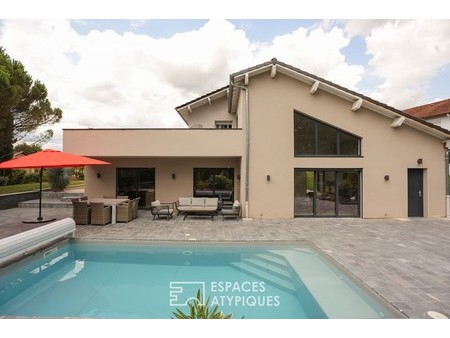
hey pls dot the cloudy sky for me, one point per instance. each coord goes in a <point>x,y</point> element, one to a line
<point>132,73</point>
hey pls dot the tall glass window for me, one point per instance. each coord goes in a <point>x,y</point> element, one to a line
<point>327,192</point>
<point>315,138</point>
<point>214,182</point>
<point>304,193</point>
<point>134,182</point>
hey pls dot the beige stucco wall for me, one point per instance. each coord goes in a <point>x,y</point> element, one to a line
<point>385,151</point>
<point>153,142</point>
<point>167,189</point>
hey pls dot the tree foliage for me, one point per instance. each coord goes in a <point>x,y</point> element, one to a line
<point>27,148</point>
<point>23,106</point>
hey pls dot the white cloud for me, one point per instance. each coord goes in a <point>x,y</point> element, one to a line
<point>407,55</point>
<point>317,51</point>
<point>362,27</point>
<point>106,79</point>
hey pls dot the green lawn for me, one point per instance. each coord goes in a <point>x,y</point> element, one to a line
<point>9,189</point>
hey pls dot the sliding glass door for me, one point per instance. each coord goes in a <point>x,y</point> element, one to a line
<point>327,192</point>
<point>134,182</point>
<point>214,182</point>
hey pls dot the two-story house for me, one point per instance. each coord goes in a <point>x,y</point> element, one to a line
<point>283,142</point>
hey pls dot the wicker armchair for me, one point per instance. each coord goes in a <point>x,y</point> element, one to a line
<point>125,211</point>
<point>100,214</point>
<point>81,212</point>
<point>136,207</point>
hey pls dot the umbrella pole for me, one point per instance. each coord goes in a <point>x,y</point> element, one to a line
<point>40,194</point>
<point>40,219</point>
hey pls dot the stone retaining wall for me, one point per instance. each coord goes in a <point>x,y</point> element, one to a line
<point>10,201</point>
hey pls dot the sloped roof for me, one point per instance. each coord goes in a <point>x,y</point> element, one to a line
<point>238,78</point>
<point>430,110</point>
<point>184,109</point>
<point>201,97</point>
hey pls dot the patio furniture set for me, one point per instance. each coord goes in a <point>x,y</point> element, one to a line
<point>194,206</point>
<point>102,211</point>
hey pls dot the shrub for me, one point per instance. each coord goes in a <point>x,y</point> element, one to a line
<point>4,180</point>
<point>17,177</point>
<point>57,178</point>
<point>32,177</point>
<point>79,173</point>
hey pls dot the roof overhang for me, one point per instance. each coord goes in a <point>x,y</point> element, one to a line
<point>185,109</point>
<point>358,101</point>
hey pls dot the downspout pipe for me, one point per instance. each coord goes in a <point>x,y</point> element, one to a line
<point>247,144</point>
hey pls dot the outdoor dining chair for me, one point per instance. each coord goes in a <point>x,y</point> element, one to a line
<point>100,213</point>
<point>125,211</point>
<point>136,207</point>
<point>81,212</point>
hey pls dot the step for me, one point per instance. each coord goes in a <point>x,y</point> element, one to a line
<point>46,204</point>
<point>61,194</point>
<point>53,199</point>
<point>283,283</point>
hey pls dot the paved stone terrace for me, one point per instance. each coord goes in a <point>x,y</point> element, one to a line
<point>406,261</point>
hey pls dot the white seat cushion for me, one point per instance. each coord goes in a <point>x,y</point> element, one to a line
<point>184,201</point>
<point>198,201</point>
<point>156,203</point>
<point>211,202</point>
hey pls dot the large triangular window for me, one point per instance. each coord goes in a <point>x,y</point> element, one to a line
<point>315,138</point>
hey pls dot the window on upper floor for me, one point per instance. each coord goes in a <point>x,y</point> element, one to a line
<point>315,138</point>
<point>224,124</point>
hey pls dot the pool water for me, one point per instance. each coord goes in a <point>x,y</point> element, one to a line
<point>85,280</point>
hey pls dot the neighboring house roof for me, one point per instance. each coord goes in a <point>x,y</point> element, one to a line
<point>18,154</point>
<point>431,110</point>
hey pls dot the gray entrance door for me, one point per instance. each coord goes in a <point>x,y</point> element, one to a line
<point>415,193</point>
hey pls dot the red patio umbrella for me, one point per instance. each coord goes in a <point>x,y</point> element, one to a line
<point>48,158</point>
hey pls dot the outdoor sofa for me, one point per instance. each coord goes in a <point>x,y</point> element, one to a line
<point>197,206</point>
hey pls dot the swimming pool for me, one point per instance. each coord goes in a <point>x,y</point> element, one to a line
<point>96,280</point>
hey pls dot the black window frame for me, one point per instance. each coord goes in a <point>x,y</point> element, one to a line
<point>316,123</point>
<point>336,172</point>
<point>214,171</point>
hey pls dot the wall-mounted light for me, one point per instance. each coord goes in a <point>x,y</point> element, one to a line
<point>268,178</point>
<point>419,161</point>
<point>99,175</point>
<point>386,178</point>
<point>174,176</point>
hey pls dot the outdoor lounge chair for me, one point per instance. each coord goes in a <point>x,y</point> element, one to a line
<point>162,210</point>
<point>81,212</point>
<point>233,212</point>
<point>125,211</point>
<point>100,213</point>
